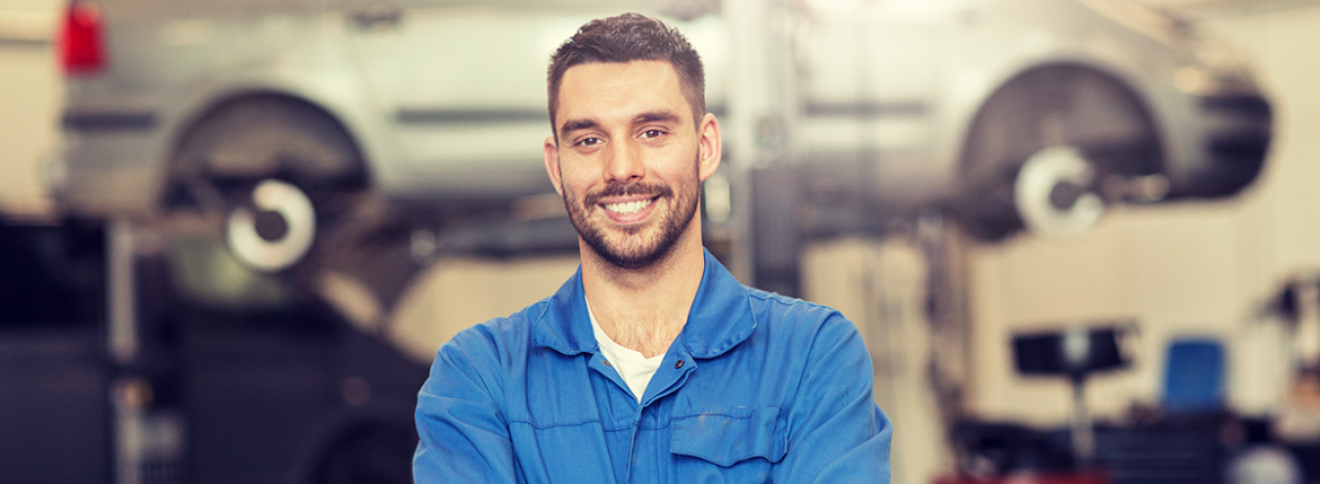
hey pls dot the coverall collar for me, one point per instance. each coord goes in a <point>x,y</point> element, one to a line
<point>720,317</point>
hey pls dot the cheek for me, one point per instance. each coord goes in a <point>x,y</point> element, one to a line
<point>573,177</point>
<point>581,185</point>
<point>678,164</point>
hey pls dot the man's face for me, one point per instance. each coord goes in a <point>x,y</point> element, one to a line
<point>628,160</point>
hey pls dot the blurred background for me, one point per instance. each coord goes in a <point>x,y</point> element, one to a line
<point>1078,236</point>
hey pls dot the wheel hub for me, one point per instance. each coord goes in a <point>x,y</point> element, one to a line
<point>271,226</point>
<point>1065,194</point>
<point>1053,192</point>
<point>279,233</point>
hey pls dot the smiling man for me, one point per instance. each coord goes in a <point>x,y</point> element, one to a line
<point>652,364</point>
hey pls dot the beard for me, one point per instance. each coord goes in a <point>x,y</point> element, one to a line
<point>636,246</point>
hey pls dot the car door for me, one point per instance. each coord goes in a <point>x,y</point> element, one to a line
<point>461,84</point>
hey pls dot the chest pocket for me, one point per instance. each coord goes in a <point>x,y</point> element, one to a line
<point>727,436</point>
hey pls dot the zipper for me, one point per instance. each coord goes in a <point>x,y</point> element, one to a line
<point>632,443</point>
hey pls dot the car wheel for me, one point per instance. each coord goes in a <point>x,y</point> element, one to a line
<point>1042,147</point>
<point>279,173</point>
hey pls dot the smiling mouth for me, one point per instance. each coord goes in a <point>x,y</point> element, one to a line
<point>629,207</point>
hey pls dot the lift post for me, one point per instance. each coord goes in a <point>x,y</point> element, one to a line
<point>148,439</point>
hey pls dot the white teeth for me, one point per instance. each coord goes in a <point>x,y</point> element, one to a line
<point>628,207</point>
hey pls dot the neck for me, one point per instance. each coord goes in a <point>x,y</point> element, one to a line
<point>644,309</point>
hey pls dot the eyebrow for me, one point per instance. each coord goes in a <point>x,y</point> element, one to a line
<point>577,125</point>
<point>655,116</point>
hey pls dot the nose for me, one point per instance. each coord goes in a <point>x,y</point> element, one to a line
<point>624,165</point>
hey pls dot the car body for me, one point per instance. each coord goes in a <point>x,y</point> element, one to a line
<point>444,101</point>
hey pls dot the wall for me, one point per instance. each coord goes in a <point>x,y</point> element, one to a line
<point>29,102</point>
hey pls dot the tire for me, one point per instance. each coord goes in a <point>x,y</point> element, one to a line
<point>1040,114</point>
<point>280,173</point>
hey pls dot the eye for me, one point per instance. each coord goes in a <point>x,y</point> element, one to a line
<point>589,142</point>
<point>652,133</point>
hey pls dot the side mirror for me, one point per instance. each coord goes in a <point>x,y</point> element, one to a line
<point>1075,352</point>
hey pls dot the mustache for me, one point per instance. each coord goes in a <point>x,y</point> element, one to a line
<point>631,189</point>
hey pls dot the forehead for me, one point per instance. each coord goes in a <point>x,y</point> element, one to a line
<point>608,90</point>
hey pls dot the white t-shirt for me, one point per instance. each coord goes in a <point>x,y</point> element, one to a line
<point>635,369</point>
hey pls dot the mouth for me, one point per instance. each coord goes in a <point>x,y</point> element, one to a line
<point>629,211</point>
<point>630,207</point>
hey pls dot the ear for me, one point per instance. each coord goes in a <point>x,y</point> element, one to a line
<point>550,154</point>
<point>711,150</point>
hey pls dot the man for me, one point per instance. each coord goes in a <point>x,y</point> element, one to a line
<point>652,363</point>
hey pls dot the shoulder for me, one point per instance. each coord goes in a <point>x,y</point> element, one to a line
<point>808,332</point>
<point>796,348</point>
<point>777,310</point>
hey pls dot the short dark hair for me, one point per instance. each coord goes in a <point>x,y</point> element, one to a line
<point>626,38</point>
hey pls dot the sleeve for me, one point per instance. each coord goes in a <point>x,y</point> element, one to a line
<point>837,434</point>
<point>463,434</point>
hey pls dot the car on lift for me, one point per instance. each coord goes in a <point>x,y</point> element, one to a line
<point>279,116</point>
